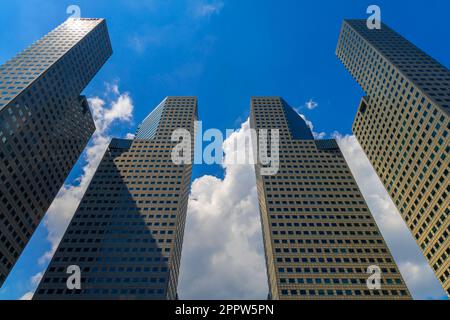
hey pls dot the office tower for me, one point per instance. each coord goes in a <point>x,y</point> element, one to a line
<point>319,235</point>
<point>44,125</point>
<point>127,233</point>
<point>403,124</point>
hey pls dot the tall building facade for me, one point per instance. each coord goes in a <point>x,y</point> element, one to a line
<point>403,125</point>
<point>127,233</point>
<point>319,235</point>
<point>44,125</point>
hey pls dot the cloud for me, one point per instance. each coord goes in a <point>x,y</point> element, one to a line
<point>120,110</point>
<point>27,296</point>
<point>37,278</point>
<point>207,9</point>
<point>66,202</point>
<point>311,105</point>
<point>418,275</point>
<point>112,88</point>
<point>34,282</point>
<point>317,135</point>
<point>223,255</point>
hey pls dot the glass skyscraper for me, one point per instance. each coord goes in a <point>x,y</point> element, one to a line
<point>127,233</point>
<point>319,236</point>
<point>403,125</point>
<point>44,125</point>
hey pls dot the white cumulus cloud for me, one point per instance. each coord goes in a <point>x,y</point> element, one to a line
<point>317,135</point>
<point>223,255</point>
<point>311,104</point>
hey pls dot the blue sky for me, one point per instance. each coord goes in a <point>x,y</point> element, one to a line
<point>224,52</point>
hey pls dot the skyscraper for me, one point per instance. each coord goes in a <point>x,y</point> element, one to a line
<point>403,124</point>
<point>127,233</point>
<point>44,125</point>
<point>319,236</point>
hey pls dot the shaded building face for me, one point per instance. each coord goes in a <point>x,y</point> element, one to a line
<point>319,236</point>
<point>44,125</point>
<point>403,125</point>
<point>127,233</point>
